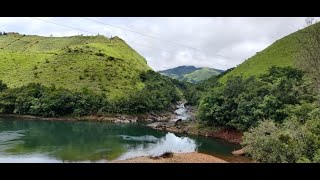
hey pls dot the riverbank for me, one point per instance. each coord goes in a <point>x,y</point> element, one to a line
<point>192,128</point>
<point>159,121</point>
<point>115,118</point>
<point>193,157</point>
<point>187,127</point>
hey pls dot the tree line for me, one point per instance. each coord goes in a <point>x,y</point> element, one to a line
<point>36,99</point>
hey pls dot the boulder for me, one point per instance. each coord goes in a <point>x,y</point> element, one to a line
<point>153,125</point>
<point>154,118</point>
<point>239,152</point>
<point>134,119</point>
<point>178,121</point>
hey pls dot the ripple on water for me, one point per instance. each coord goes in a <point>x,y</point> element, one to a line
<point>146,138</point>
<point>6,136</point>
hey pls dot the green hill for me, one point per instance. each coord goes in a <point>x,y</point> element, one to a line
<point>190,73</point>
<point>281,53</point>
<point>200,75</point>
<point>98,63</point>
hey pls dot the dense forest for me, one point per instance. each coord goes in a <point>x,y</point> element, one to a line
<point>36,99</point>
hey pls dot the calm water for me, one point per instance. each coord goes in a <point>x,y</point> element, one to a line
<point>53,141</point>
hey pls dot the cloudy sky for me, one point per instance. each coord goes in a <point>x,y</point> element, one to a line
<point>166,42</point>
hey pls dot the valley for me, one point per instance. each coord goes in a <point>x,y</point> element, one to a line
<point>96,99</point>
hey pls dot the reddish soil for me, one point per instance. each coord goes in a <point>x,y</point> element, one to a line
<point>227,134</point>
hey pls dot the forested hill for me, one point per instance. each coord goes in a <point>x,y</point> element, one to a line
<point>98,63</point>
<point>191,73</point>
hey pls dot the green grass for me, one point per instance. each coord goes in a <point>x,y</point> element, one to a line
<point>200,75</point>
<point>281,53</point>
<point>190,73</point>
<point>104,65</point>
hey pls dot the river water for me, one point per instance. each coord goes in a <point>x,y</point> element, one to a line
<point>182,112</point>
<point>25,140</point>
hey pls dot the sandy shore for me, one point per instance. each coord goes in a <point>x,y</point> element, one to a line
<point>193,157</point>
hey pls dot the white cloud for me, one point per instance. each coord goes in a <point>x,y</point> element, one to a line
<point>235,38</point>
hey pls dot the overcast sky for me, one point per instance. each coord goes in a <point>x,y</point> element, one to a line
<point>217,42</point>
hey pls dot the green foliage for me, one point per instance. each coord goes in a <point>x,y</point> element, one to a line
<point>308,58</point>
<point>62,60</point>
<point>241,103</point>
<point>3,86</point>
<point>180,70</point>
<point>35,99</point>
<point>200,75</point>
<point>159,92</point>
<point>288,142</point>
<point>193,92</point>
<point>190,74</point>
<point>281,53</point>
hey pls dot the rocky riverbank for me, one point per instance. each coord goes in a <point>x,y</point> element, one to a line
<point>115,118</point>
<point>192,128</point>
<point>193,157</point>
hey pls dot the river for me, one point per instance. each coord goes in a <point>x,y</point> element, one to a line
<point>25,140</point>
<point>182,112</point>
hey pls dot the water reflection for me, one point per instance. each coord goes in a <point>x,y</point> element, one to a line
<point>170,142</point>
<point>49,141</point>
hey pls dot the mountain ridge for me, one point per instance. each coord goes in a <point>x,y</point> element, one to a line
<point>190,73</point>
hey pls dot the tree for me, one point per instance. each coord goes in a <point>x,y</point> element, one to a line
<point>308,59</point>
<point>3,86</point>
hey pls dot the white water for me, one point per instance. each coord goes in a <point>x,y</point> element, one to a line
<point>182,112</point>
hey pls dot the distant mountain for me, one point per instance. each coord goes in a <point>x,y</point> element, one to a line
<point>190,73</point>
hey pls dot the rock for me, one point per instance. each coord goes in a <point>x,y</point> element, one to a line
<point>185,130</point>
<point>134,119</point>
<point>121,121</point>
<point>154,125</point>
<point>155,118</point>
<point>172,107</point>
<point>206,134</point>
<point>239,152</point>
<point>177,122</point>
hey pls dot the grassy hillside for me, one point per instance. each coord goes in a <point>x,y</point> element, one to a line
<point>281,53</point>
<point>200,75</point>
<point>104,65</point>
<point>190,73</point>
<point>180,70</point>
